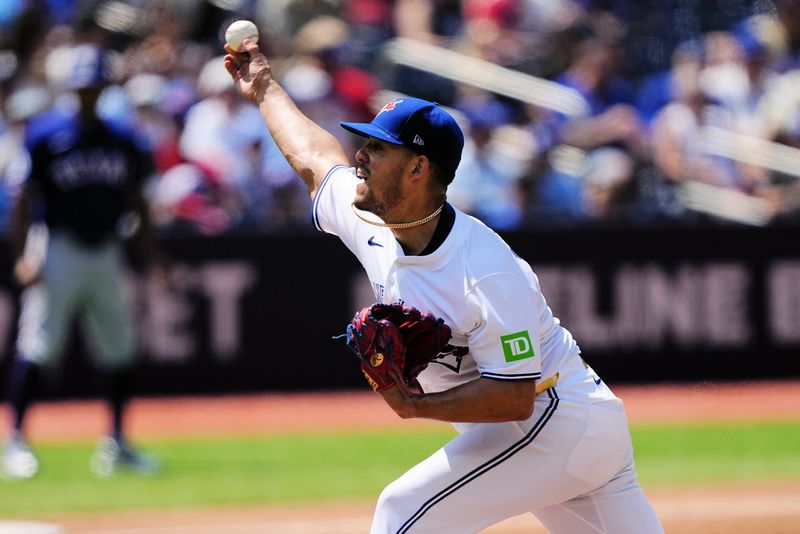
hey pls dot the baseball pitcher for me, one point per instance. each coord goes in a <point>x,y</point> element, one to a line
<point>565,454</point>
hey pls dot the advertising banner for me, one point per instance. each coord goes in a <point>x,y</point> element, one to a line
<point>248,314</point>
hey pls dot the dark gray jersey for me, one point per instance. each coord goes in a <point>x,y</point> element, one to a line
<point>85,173</point>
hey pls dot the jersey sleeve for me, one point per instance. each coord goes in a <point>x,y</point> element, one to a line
<point>506,344</point>
<point>330,210</point>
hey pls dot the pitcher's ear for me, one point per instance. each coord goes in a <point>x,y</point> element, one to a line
<point>422,165</point>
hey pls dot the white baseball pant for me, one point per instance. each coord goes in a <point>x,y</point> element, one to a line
<point>569,464</point>
<point>77,280</point>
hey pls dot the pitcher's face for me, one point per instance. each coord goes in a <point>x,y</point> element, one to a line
<point>381,166</point>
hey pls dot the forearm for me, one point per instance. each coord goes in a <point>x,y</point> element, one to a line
<point>586,134</point>
<point>309,149</point>
<point>412,19</point>
<point>481,401</point>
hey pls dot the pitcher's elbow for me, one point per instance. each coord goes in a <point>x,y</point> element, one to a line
<point>524,410</point>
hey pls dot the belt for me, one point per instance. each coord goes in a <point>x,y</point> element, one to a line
<point>547,383</point>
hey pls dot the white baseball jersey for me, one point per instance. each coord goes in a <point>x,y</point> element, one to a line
<point>488,296</point>
<point>570,463</point>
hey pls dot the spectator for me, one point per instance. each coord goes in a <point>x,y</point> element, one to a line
<point>329,44</point>
<point>659,89</point>
<point>146,93</point>
<point>676,131</point>
<point>225,137</point>
<point>487,182</point>
<point>435,22</point>
<point>594,74</point>
<point>20,107</point>
<point>612,121</point>
<point>740,58</point>
<point>186,199</point>
<point>608,184</point>
<point>788,14</point>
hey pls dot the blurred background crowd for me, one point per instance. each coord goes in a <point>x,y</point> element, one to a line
<point>596,112</point>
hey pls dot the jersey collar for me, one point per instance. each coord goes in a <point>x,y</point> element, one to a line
<point>451,234</point>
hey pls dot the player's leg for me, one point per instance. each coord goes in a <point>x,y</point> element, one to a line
<point>472,482</point>
<point>22,382</point>
<point>494,471</point>
<point>491,472</point>
<point>109,325</point>
<point>109,328</point>
<point>620,507</point>
<point>18,460</point>
<point>45,319</point>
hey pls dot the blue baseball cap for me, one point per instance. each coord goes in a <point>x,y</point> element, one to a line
<point>420,126</point>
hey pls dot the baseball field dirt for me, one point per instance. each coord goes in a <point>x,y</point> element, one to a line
<point>756,508</point>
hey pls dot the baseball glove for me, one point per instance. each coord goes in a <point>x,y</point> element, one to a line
<point>395,343</point>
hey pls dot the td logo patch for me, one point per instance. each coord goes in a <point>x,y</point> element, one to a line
<point>517,346</point>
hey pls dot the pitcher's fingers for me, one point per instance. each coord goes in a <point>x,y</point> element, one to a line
<point>240,56</point>
<point>250,47</point>
<point>231,65</point>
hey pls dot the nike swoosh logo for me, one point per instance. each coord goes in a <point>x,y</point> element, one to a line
<point>597,380</point>
<point>372,243</point>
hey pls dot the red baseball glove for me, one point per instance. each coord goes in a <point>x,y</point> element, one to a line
<point>395,343</point>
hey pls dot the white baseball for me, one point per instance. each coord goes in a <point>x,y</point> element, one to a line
<point>238,32</point>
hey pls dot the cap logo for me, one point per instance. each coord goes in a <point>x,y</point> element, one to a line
<point>418,140</point>
<point>391,105</point>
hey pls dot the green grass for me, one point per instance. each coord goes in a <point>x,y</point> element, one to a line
<point>356,465</point>
<point>229,471</point>
<point>716,453</point>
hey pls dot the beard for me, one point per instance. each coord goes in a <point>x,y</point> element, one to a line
<point>391,197</point>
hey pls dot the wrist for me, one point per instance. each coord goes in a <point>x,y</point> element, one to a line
<point>262,85</point>
<point>405,407</point>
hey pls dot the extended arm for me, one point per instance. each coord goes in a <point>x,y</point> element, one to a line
<point>309,149</point>
<point>483,400</point>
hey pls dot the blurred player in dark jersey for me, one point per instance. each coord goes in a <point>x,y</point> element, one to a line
<point>85,182</point>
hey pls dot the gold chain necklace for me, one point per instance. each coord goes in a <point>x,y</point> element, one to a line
<point>398,225</point>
